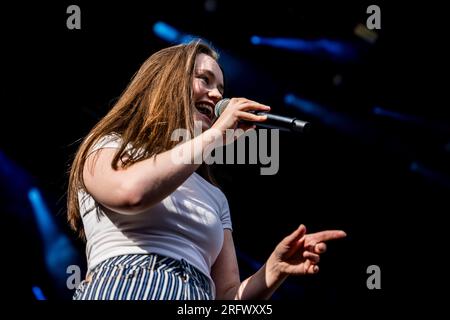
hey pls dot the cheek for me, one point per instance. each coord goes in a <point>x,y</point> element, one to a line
<point>199,90</point>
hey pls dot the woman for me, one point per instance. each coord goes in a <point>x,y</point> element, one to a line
<point>155,228</point>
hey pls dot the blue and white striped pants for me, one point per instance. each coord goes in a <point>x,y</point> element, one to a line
<point>144,277</point>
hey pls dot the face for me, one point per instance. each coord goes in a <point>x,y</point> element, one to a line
<point>208,89</point>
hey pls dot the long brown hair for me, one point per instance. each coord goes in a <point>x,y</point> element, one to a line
<point>157,101</point>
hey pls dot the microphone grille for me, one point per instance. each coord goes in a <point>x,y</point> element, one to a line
<point>220,106</point>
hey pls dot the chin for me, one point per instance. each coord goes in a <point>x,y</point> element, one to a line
<point>205,126</point>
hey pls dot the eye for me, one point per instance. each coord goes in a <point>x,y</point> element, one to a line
<point>204,78</point>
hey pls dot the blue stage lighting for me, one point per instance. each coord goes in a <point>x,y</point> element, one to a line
<point>38,294</point>
<point>166,32</point>
<point>255,40</point>
<point>430,174</point>
<point>325,47</point>
<point>58,250</point>
<point>326,116</point>
<point>396,115</point>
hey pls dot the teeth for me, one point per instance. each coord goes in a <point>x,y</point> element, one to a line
<point>204,108</point>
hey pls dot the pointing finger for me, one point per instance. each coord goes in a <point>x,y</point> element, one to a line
<point>325,236</point>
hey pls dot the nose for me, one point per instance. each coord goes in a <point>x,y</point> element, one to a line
<point>215,95</point>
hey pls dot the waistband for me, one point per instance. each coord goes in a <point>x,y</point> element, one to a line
<point>154,262</point>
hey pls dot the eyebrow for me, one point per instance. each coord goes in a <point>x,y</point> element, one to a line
<point>211,74</point>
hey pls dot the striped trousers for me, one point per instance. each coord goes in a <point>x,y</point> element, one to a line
<point>144,277</point>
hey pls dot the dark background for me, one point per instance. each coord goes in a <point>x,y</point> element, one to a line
<point>358,177</point>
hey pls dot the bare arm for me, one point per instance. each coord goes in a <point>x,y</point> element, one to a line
<point>225,273</point>
<point>297,254</point>
<point>138,187</point>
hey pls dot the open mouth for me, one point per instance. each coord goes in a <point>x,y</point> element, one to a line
<point>206,109</point>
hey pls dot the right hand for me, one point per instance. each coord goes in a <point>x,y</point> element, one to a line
<point>236,111</point>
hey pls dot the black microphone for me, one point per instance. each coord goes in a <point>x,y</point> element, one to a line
<point>273,121</point>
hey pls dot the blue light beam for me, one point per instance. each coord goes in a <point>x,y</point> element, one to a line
<point>430,174</point>
<point>411,119</point>
<point>58,250</point>
<point>171,34</point>
<point>321,47</point>
<point>327,117</point>
<point>38,294</point>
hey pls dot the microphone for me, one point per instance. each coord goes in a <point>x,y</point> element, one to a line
<point>273,121</point>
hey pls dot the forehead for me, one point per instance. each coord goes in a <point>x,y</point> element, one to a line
<point>205,62</point>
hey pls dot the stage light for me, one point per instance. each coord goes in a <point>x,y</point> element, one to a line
<point>330,118</point>
<point>303,105</point>
<point>255,40</point>
<point>433,125</point>
<point>430,174</point>
<point>38,294</point>
<point>59,252</point>
<point>171,34</point>
<point>397,115</point>
<point>367,35</point>
<point>321,47</point>
<point>166,32</point>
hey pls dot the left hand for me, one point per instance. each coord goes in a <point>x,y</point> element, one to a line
<point>299,253</point>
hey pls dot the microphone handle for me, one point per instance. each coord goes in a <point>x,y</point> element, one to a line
<point>282,123</point>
